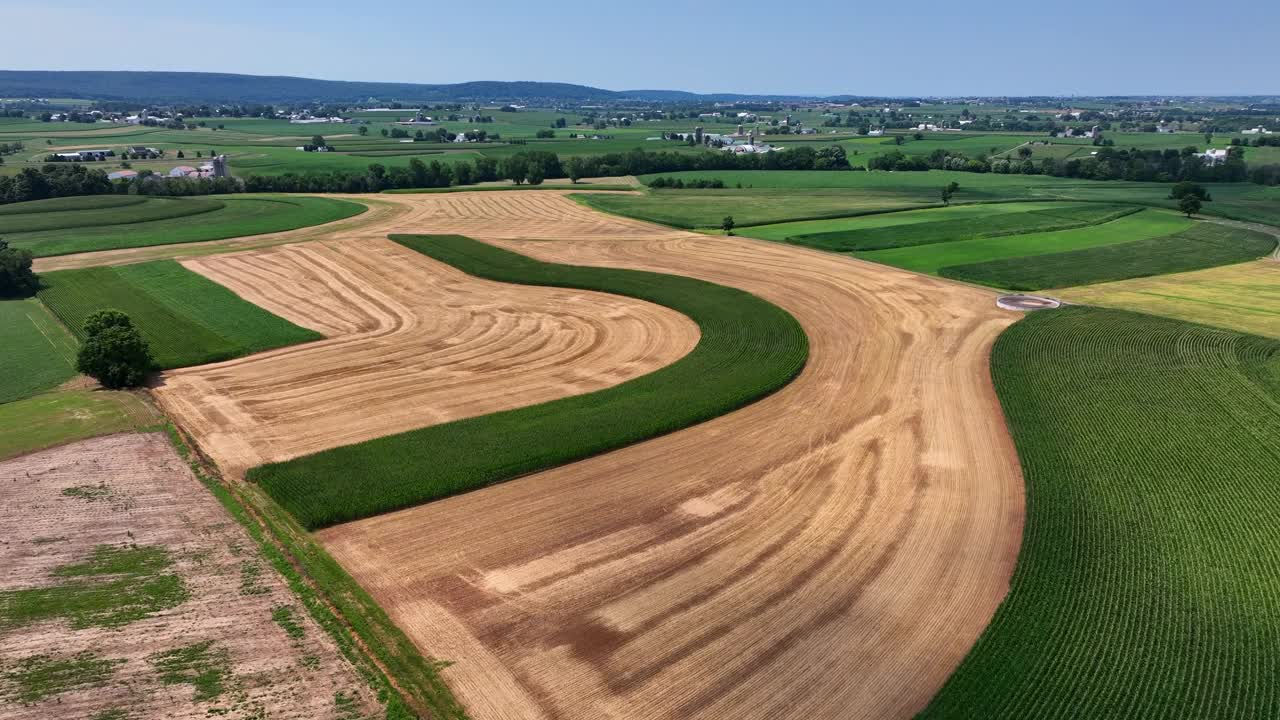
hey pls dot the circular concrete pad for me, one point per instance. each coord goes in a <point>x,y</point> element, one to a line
<point>1026,302</point>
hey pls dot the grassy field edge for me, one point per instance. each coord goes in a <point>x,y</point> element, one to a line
<point>408,684</point>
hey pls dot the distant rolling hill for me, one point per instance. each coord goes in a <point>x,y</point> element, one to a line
<point>177,87</point>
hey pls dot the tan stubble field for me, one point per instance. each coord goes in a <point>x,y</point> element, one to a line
<point>831,551</point>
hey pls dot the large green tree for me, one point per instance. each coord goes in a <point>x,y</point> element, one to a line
<point>16,278</point>
<point>114,352</point>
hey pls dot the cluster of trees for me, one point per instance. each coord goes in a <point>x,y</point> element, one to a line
<point>1108,164</point>
<point>1259,141</point>
<point>114,353</point>
<point>16,278</point>
<point>53,181</point>
<point>679,184</point>
<point>10,148</point>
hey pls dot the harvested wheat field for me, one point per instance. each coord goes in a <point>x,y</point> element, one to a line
<point>831,551</point>
<point>126,590</point>
<point>410,342</point>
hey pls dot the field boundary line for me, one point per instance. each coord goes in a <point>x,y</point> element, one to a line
<point>249,507</point>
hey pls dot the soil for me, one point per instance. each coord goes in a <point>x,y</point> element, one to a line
<point>141,494</point>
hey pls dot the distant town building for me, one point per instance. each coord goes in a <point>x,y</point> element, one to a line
<point>1256,131</point>
<point>1213,157</point>
<point>122,175</point>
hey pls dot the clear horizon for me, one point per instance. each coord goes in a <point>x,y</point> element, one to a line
<point>995,47</point>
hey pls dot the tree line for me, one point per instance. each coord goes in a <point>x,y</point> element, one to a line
<point>1168,165</point>
<point>535,166</point>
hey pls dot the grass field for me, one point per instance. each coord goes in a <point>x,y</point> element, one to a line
<point>218,218</point>
<point>706,208</point>
<point>99,210</point>
<point>782,231</point>
<point>1202,245</point>
<point>1243,297</point>
<point>1146,584</point>
<point>38,352</point>
<point>748,348</point>
<point>999,220</point>
<point>931,258</point>
<point>55,418</point>
<point>186,318</point>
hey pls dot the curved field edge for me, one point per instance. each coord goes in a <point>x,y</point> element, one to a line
<point>240,216</point>
<point>1147,584</point>
<point>748,349</point>
<point>407,684</point>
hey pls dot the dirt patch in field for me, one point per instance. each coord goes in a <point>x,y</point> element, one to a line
<point>831,551</point>
<point>124,585</point>
<point>411,342</point>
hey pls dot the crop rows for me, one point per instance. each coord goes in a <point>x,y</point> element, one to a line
<point>72,204</point>
<point>186,318</point>
<point>38,352</point>
<point>152,209</point>
<point>1148,584</point>
<point>1201,246</point>
<point>968,228</point>
<point>237,217</point>
<point>748,349</point>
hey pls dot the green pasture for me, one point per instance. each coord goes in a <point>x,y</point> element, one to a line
<point>186,318</point>
<point>748,349</point>
<point>1000,220</point>
<point>706,208</point>
<point>782,231</point>
<point>1146,585</point>
<point>931,258</point>
<point>1203,245</point>
<point>97,211</point>
<point>215,217</point>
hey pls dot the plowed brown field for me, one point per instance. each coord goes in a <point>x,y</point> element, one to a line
<point>829,552</point>
<point>133,491</point>
<point>410,342</point>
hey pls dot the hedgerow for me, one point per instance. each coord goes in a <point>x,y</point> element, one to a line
<point>1148,585</point>
<point>748,349</point>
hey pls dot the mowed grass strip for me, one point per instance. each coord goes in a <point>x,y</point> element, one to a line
<point>1147,584</point>
<point>931,258</point>
<point>77,215</point>
<point>994,224</point>
<point>748,349</point>
<point>60,417</point>
<point>1203,245</point>
<point>237,218</point>
<point>186,318</point>
<point>36,352</point>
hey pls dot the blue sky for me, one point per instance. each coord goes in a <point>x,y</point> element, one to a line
<point>815,47</point>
